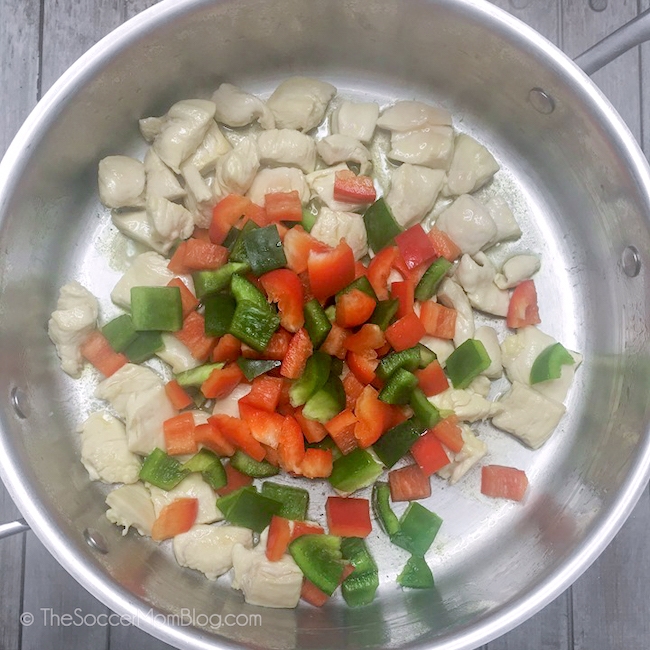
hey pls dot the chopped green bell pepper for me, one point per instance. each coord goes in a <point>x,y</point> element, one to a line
<point>219,310</point>
<point>381,226</point>
<point>313,378</point>
<point>384,313</point>
<point>418,528</point>
<point>254,325</point>
<point>257,469</point>
<point>250,510</point>
<point>156,308</point>
<point>243,289</point>
<point>196,376</point>
<point>423,409</point>
<point>120,332</point>
<point>466,362</point>
<point>399,387</point>
<point>308,219</point>
<point>360,586</point>
<point>381,507</point>
<point>255,367</point>
<point>145,345</point>
<point>549,362</point>
<point>430,281</point>
<point>264,250</point>
<point>427,355</point>
<point>397,441</point>
<point>319,558</point>
<point>354,471</point>
<point>162,470</point>
<point>207,283</point>
<point>327,402</point>
<point>209,465</point>
<point>362,284</point>
<point>317,324</point>
<point>226,503</point>
<point>416,574</point>
<point>294,500</point>
<point>231,237</point>
<point>238,248</point>
<point>408,359</point>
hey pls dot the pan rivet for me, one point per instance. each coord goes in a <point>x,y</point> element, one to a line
<point>540,101</point>
<point>631,262</point>
<point>19,402</point>
<point>95,540</point>
<point>598,5</point>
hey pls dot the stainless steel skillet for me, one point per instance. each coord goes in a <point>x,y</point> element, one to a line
<point>581,189</point>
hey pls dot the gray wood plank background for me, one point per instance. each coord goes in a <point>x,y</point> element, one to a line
<point>606,609</point>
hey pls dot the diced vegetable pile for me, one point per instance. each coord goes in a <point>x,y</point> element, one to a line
<point>315,326</point>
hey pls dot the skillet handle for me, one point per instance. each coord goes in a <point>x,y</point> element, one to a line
<point>623,39</point>
<point>18,526</point>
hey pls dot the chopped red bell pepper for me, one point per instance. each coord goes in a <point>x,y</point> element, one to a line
<point>503,482</point>
<point>400,266</point>
<point>331,271</point>
<point>353,388</point>
<point>432,379</point>
<point>193,336</point>
<point>405,332</point>
<point>379,271</point>
<point>177,396</point>
<point>175,518</point>
<point>283,206</point>
<point>300,349</point>
<point>99,352</point>
<point>363,365</point>
<point>404,292</point>
<point>179,434</point>
<point>225,215</point>
<point>449,433</point>
<point>334,344</point>
<point>197,255</point>
<point>316,463</point>
<point>409,484</point>
<point>311,594</point>
<point>369,337</point>
<point>222,381</point>
<point>297,245</point>
<point>239,434</point>
<point>265,427</point>
<point>278,345</point>
<point>209,436</point>
<point>234,480</point>
<point>305,528</point>
<point>227,349</point>
<point>284,287</point>
<point>351,188</point>
<point>375,417</point>
<point>257,214</point>
<point>429,453</point>
<point>523,310</point>
<point>264,394</point>
<point>359,269</point>
<point>414,246</point>
<point>443,245</point>
<point>312,430</point>
<point>189,301</point>
<point>354,308</point>
<point>438,320</point>
<point>292,445</point>
<point>348,516</point>
<point>341,430</point>
<point>278,538</point>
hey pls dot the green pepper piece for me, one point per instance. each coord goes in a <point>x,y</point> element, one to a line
<point>238,249</point>
<point>363,284</point>
<point>308,219</point>
<point>549,362</point>
<point>219,309</point>
<point>120,332</point>
<point>416,574</point>
<point>356,470</point>
<point>295,501</point>
<point>408,359</point>
<point>254,325</point>
<point>196,376</point>
<point>319,558</point>
<point>399,387</point>
<point>423,409</point>
<point>207,283</point>
<point>430,281</point>
<point>380,225</point>
<point>156,308</point>
<point>264,250</point>
<point>397,441</point>
<point>246,465</point>
<point>317,324</point>
<point>384,313</point>
<point>466,362</point>
<point>326,402</point>
<point>251,510</point>
<point>360,586</point>
<point>162,470</point>
<point>418,528</point>
<point>255,367</point>
<point>381,507</point>
<point>313,378</point>
<point>146,344</point>
<point>337,367</point>
<point>208,464</point>
<point>226,503</point>
<point>243,289</point>
<point>231,237</point>
<point>427,356</point>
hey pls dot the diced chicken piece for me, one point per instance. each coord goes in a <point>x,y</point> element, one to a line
<point>287,147</point>
<point>442,347</point>
<point>135,225</point>
<point>236,170</point>
<point>451,295</point>
<point>431,147</point>
<point>468,223</point>
<point>338,148</point>
<point>131,505</point>
<point>170,221</point>
<point>176,354</point>
<point>278,179</point>
<point>322,182</point>
<point>230,405</point>
<point>300,103</point>
<point>121,182</point>
<point>104,452</point>
<point>473,450</point>
<point>238,108</point>
<point>410,115</point>
<point>185,126</point>
<point>150,127</point>
<point>200,417</point>
<point>214,146</point>
<point>488,337</point>
<point>331,226</point>
<point>519,352</point>
<point>528,415</point>
<point>265,583</point>
<point>209,548</point>
<point>74,318</point>
<point>356,120</point>
<point>516,270</point>
<point>197,186</point>
<point>476,276</point>
<point>161,181</point>
<point>466,404</point>
<point>147,270</point>
<point>146,410</point>
<point>191,487</point>
<point>480,385</point>
<point>201,211</point>
<point>504,221</point>
<point>413,191</point>
<point>129,379</point>
<point>471,167</point>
